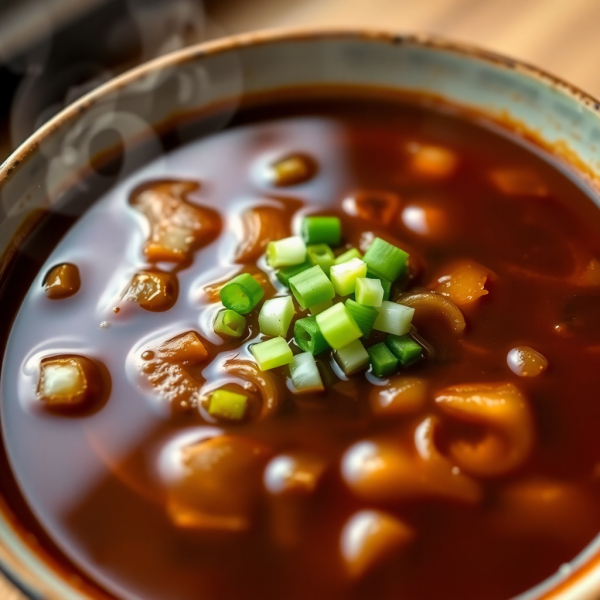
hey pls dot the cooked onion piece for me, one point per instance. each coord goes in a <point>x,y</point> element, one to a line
<point>218,484</point>
<point>526,362</point>
<point>153,290</point>
<point>518,181</point>
<point>463,283</point>
<point>69,382</point>
<point>374,206</point>
<point>382,471</point>
<point>292,170</point>
<point>177,227</point>
<point>432,161</point>
<point>369,537</point>
<point>504,415</point>
<point>425,302</point>
<point>401,396</point>
<point>261,225</point>
<point>62,281</point>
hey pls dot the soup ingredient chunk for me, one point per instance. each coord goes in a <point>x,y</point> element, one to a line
<point>62,281</point>
<point>526,362</point>
<point>308,336</point>
<point>288,252</point>
<point>383,362</point>
<point>384,260</point>
<point>304,373</point>
<point>426,303</point>
<point>369,292</point>
<point>338,326</point>
<point>217,484</point>
<point>177,227</point>
<point>369,537</point>
<point>344,276</point>
<point>261,225</point>
<point>404,348</point>
<point>503,414</point>
<point>276,316</point>
<point>432,161</point>
<point>311,287</point>
<point>292,170</point>
<point>464,283</point>
<point>365,316</point>
<point>229,323</point>
<point>428,218</point>
<point>242,293</point>
<point>322,230</point>
<point>394,318</point>
<point>272,353</point>
<point>353,357</point>
<point>322,255</point>
<point>374,206</point>
<point>69,381</point>
<point>401,396</point>
<point>153,290</point>
<point>227,405</point>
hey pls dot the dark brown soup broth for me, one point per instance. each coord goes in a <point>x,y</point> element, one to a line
<point>98,483</point>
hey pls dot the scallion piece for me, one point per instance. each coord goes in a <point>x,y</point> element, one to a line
<point>308,336</point>
<point>319,308</point>
<point>305,373</point>
<point>348,255</point>
<point>311,287</point>
<point>322,255</point>
<point>272,353</point>
<point>393,318</point>
<point>322,230</point>
<point>230,323</point>
<point>404,348</point>
<point>276,315</point>
<point>353,357</point>
<point>365,316</point>
<point>227,405</point>
<point>241,294</point>
<point>338,326</point>
<point>386,260</point>
<point>286,252</point>
<point>383,362</point>
<point>369,292</point>
<point>386,284</point>
<point>283,275</point>
<point>344,276</point>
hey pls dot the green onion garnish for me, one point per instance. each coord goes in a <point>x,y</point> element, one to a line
<point>383,362</point>
<point>242,293</point>
<point>322,255</point>
<point>352,357</point>
<point>386,284</point>
<point>305,373</point>
<point>286,252</point>
<point>308,336</point>
<point>311,287</point>
<point>369,291</point>
<point>284,274</point>
<point>404,348</point>
<point>365,316</point>
<point>276,315</point>
<point>322,230</point>
<point>348,255</point>
<point>394,318</point>
<point>338,327</point>
<point>319,308</point>
<point>227,405</point>
<point>272,353</point>
<point>230,323</point>
<point>344,276</point>
<point>386,260</point>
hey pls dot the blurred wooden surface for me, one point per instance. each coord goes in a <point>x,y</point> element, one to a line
<point>562,36</point>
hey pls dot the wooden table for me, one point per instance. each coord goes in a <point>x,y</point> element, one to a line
<point>558,35</point>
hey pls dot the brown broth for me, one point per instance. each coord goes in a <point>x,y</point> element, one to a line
<point>95,482</point>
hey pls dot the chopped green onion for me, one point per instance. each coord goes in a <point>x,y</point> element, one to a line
<point>394,318</point>
<point>319,308</point>
<point>352,357</point>
<point>276,315</point>
<point>272,353</point>
<point>305,373</point>
<point>242,293</point>
<point>338,327</point>
<point>311,287</point>
<point>348,255</point>
<point>308,336</point>
<point>383,362</point>
<point>386,284</point>
<point>322,255</point>
<point>322,230</point>
<point>230,323</point>
<point>386,260</point>
<point>284,274</point>
<point>369,292</point>
<point>404,348</point>
<point>286,252</point>
<point>365,316</point>
<point>227,405</point>
<point>344,276</point>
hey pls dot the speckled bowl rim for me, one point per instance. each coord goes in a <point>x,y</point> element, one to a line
<point>563,589</point>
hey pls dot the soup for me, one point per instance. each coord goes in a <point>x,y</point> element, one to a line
<point>344,349</point>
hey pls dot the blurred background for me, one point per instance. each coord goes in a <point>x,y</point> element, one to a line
<point>53,51</point>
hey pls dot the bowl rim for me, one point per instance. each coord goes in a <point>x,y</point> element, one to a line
<point>294,34</point>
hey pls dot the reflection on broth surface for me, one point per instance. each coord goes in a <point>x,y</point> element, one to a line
<point>468,473</point>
